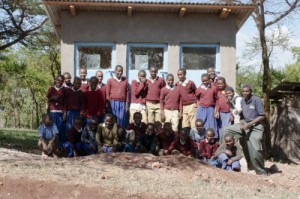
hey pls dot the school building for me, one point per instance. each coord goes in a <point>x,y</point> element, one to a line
<point>171,34</point>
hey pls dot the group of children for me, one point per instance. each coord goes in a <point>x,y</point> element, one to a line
<point>87,116</point>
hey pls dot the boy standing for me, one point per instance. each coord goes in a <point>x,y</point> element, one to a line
<point>155,84</point>
<point>187,89</point>
<point>170,103</point>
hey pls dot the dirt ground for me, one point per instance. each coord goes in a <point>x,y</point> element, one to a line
<point>125,175</point>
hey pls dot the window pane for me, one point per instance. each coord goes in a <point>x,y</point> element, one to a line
<point>199,58</point>
<point>95,57</point>
<point>144,57</point>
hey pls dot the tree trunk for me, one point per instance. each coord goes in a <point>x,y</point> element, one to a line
<point>266,87</point>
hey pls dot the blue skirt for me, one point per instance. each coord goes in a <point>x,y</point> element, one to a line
<point>118,109</point>
<point>207,115</point>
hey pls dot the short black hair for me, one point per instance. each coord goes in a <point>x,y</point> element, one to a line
<point>168,124</point>
<point>247,86</point>
<point>222,79</point>
<point>94,78</point>
<point>210,130</point>
<point>169,75</point>
<point>119,66</point>
<point>229,88</point>
<point>77,79</point>
<point>142,71</point>
<point>137,113</point>
<point>199,120</point>
<point>150,124</point>
<point>183,70</point>
<point>204,75</point>
<point>66,73</point>
<point>228,135</point>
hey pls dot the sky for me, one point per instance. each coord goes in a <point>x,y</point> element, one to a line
<point>281,57</point>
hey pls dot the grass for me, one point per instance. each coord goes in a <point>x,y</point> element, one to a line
<point>19,139</point>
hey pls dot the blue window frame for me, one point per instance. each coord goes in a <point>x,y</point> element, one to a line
<point>94,56</point>
<point>199,56</point>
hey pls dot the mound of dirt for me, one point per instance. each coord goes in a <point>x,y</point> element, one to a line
<point>126,175</point>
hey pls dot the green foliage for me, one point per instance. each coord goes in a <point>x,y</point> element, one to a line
<point>23,140</point>
<point>292,71</point>
<point>25,77</point>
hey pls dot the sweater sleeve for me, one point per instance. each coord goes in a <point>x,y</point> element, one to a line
<point>101,103</point>
<point>238,155</point>
<point>221,149</point>
<point>202,149</point>
<point>162,99</point>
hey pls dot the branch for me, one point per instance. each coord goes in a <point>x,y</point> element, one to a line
<point>22,36</point>
<point>287,12</point>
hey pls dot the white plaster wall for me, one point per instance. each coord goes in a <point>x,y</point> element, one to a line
<point>150,27</point>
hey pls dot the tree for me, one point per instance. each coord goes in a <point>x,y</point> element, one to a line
<point>19,19</point>
<point>292,71</point>
<point>266,14</point>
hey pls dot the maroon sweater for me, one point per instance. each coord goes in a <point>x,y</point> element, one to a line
<point>170,99</point>
<point>186,149</point>
<point>85,87</point>
<point>56,104</point>
<point>138,92</point>
<point>139,130</point>
<point>74,136</point>
<point>187,93</point>
<point>206,98</point>
<point>154,88</point>
<point>94,103</point>
<point>165,141</point>
<point>207,150</point>
<point>118,91</point>
<point>74,100</point>
<point>221,104</point>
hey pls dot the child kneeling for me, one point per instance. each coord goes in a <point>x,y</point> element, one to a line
<point>48,137</point>
<point>228,155</point>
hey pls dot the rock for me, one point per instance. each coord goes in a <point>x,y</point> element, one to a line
<point>271,182</point>
<point>155,165</point>
<point>274,168</point>
<point>1,183</point>
<point>258,190</point>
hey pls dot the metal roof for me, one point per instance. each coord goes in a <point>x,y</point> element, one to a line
<point>240,11</point>
<point>285,88</point>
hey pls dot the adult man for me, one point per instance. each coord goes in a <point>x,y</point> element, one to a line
<point>250,127</point>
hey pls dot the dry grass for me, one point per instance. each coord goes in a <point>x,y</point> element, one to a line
<point>196,181</point>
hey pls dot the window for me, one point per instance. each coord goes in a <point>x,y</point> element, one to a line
<point>94,56</point>
<point>199,57</point>
<point>142,56</point>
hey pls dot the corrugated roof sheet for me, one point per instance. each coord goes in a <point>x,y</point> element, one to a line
<point>181,2</point>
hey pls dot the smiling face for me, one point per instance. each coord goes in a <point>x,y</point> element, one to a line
<point>119,72</point>
<point>181,76</point>
<point>150,130</point>
<point>82,74</point>
<point>246,92</point>
<point>229,94</point>
<point>221,85</point>
<point>137,118</point>
<point>108,121</point>
<point>67,79</point>
<point>205,80</point>
<point>153,72</point>
<point>170,81</point>
<point>183,136</point>
<point>199,126</point>
<point>211,72</point>
<point>141,76</point>
<point>59,82</point>
<point>209,136</point>
<point>229,141</point>
<point>78,124</point>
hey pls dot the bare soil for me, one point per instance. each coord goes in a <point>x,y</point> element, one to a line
<point>125,175</point>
